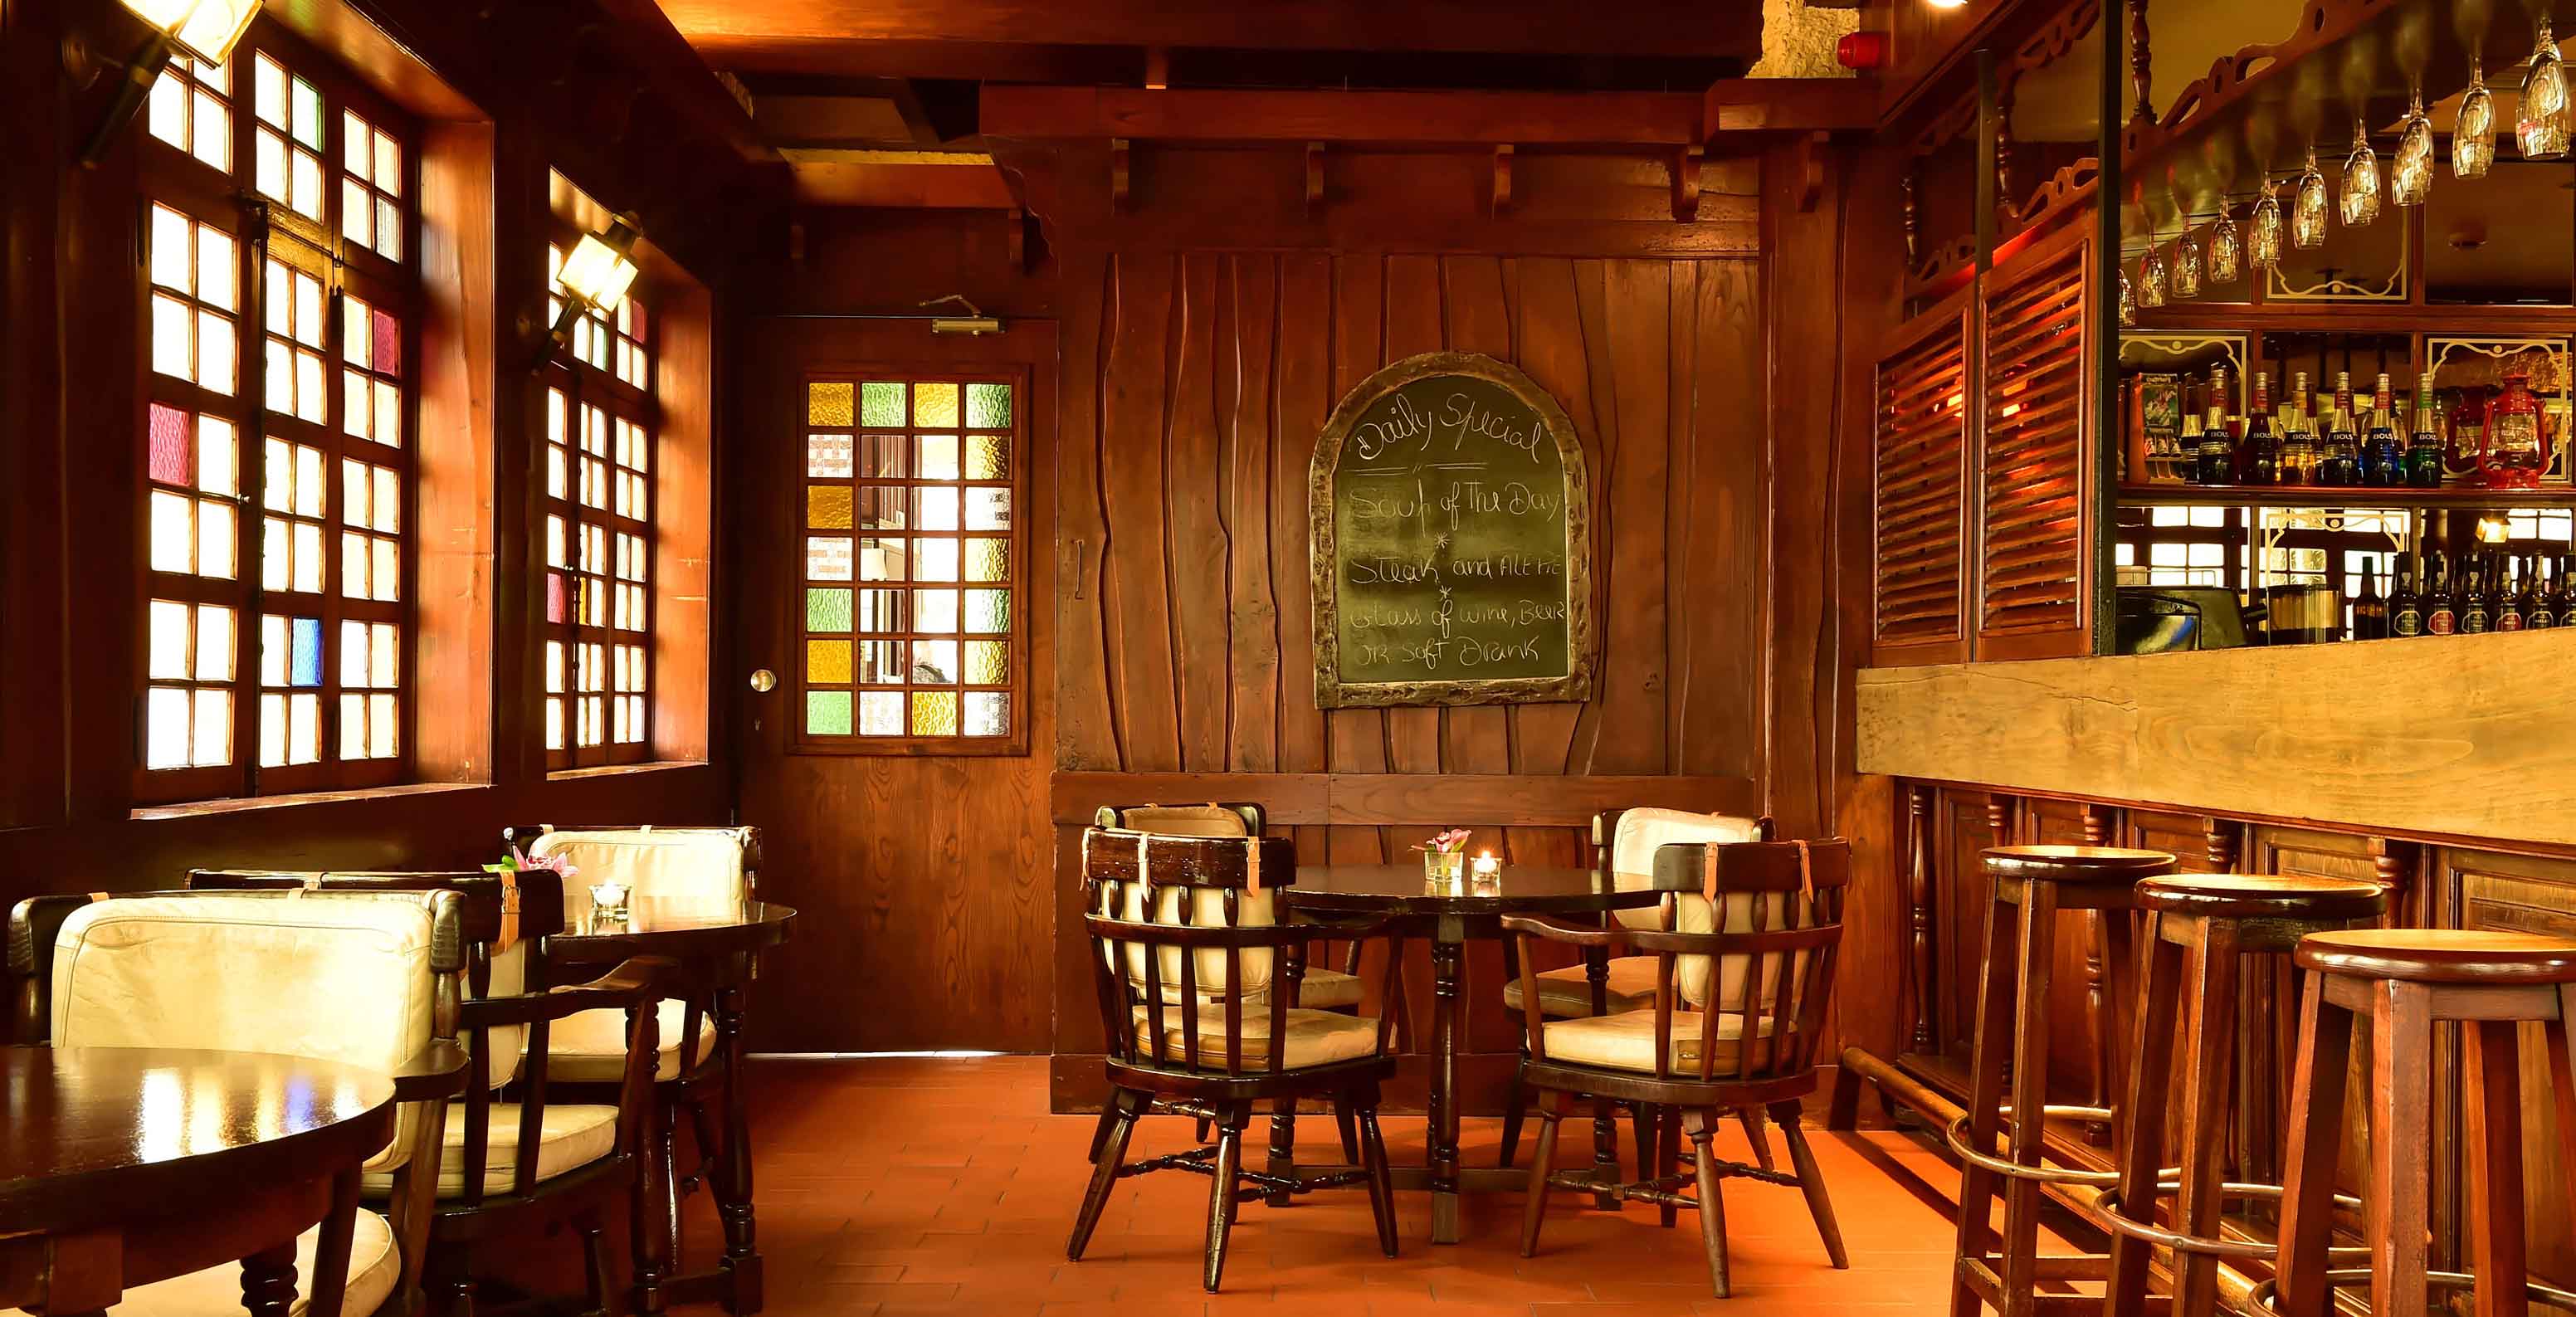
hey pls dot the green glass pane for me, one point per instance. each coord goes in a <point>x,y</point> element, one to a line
<point>988,662</point>
<point>988,610</point>
<point>827,610</point>
<point>934,406</point>
<point>827,507</point>
<point>828,404</point>
<point>988,560</point>
<point>934,713</point>
<point>988,457</point>
<point>988,406</point>
<point>827,713</point>
<point>881,403</point>
<point>827,662</point>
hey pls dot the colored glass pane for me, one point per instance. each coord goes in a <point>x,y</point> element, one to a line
<point>827,507</point>
<point>388,348</point>
<point>988,662</point>
<point>988,560</point>
<point>827,713</point>
<point>934,406</point>
<point>828,404</point>
<point>934,713</point>
<point>169,429</point>
<point>828,455</point>
<point>988,406</point>
<point>880,403</point>
<point>827,610</point>
<point>988,457</point>
<point>827,662</point>
<point>307,652</point>
<point>988,610</point>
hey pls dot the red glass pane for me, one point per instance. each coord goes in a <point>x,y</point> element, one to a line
<point>554,597</point>
<point>170,464</point>
<point>388,358</point>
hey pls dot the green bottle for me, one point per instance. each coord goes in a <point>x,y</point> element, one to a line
<point>2424,446</point>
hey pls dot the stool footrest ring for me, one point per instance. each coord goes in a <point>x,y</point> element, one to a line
<point>2107,1210</point>
<point>1957,1135</point>
<point>2264,1297</point>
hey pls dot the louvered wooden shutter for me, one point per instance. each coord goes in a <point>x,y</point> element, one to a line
<point>1922,516</point>
<point>2032,484</point>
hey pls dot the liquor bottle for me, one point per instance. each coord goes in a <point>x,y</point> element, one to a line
<point>2424,445</point>
<point>2298,460</point>
<point>2440,617</point>
<point>2340,461</point>
<point>2216,458</point>
<point>2188,445</point>
<point>2513,611</point>
<point>2560,599</point>
<point>2405,607</point>
<point>2383,454</point>
<point>2369,611</point>
<point>2258,455</point>
<point>2474,606</point>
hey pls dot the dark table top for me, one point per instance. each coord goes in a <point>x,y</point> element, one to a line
<point>1401,889</point>
<point>668,926</point>
<point>97,1135</point>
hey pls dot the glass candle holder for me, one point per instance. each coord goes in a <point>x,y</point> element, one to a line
<point>2186,267</point>
<point>2226,251</point>
<point>2151,278</point>
<point>2360,180</point>
<point>2473,134</point>
<point>2541,124</point>
<point>608,900</point>
<point>2308,208</point>
<point>2263,242</point>
<point>2410,177</point>
<point>2128,299</point>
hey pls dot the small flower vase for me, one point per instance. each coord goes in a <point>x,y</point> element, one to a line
<point>1444,866</point>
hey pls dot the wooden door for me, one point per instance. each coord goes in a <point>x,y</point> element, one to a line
<point>916,850</point>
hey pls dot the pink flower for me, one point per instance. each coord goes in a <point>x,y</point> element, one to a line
<point>515,861</point>
<point>1447,843</point>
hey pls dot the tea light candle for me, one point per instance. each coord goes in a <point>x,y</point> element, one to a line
<point>1486,866</point>
<point>608,897</point>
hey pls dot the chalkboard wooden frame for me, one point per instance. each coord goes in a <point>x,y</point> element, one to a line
<point>1331,691</point>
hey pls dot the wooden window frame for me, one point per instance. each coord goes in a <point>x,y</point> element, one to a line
<point>636,403</point>
<point>264,228</point>
<point>1015,741</point>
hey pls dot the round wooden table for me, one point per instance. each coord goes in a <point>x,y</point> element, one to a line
<point>716,947</point>
<point>120,1166</point>
<point>1447,915</point>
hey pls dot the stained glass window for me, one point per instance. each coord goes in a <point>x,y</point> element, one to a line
<point>909,576</point>
<point>277,449</point>
<point>597,596</point>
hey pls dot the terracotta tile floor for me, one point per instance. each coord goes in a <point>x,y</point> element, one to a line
<point>943,1187</point>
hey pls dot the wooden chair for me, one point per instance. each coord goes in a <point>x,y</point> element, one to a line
<point>513,1170</point>
<point>1739,1011</point>
<point>1182,973</point>
<point>166,971</point>
<point>1603,985</point>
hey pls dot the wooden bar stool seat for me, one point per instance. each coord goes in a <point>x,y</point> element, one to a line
<point>2198,926</point>
<point>2029,887</point>
<point>2404,981</point>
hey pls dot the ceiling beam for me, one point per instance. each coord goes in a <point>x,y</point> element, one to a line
<point>1428,118</point>
<point>1727,28</point>
<point>1788,105</point>
<point>887,178</point>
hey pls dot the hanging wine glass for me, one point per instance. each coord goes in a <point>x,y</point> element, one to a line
<point>2542,124</point>
<point>2360,180</point>
<point>2186,266</point>
<point>2128,300</point>
<point>2151,277</point>
<point>2226,251</point>
<point>2473,133</point>
<point>2263,246</point>
<point>2308,208</point>
<point>2410,178</point>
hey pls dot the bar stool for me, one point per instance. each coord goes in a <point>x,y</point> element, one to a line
<point>2030,885</point>
<point>2200,923</point>
<point>2405,980</point>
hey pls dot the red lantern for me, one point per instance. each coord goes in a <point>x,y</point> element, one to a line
<point>1861,50</point>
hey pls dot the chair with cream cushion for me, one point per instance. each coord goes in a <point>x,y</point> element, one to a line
<point>1738,1013</point>
<point>550,1156</point>
<point>1185,949</point>
<point>356,979</point>
<point>1624,842</point>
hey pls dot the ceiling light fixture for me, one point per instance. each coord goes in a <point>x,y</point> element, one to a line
<point>203,30</point>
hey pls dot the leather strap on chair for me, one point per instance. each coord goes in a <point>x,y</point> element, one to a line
<point>1252,864</point>
<point>509,936</point>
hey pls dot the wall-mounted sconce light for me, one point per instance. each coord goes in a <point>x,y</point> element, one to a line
<point>973,322</point>
<point>596,276</point>
<point>203,30</point>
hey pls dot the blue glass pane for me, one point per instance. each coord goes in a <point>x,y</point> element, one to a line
<point>308,651</point>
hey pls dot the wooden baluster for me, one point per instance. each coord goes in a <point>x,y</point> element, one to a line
<point>1999,818</point>
<point>2097,832</point>
<point>2394,865</point>
<point>2224,841</point>
<point>2140,62</point>
<point>1918,880</point>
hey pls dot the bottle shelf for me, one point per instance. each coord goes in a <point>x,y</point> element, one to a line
<point>2342,496</point>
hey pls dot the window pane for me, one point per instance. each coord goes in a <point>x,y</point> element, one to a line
<point>827,455</point>
<point>167,718</point>
<point>881,713</point>
<point>934,406</point>
<point>214,643</point>
<point>827,507</point>
<point>828,404</point>
<point>827,610</point>
<point>218,462</point>
<point>988,713</point>
<point>827,557</point>
<point>827,713</point>
<point>934,713</point>
<point>170,641</point>
<point>174,533</point>
<point>988,406</point>
<point>881,404</point>
<point>988,456</point>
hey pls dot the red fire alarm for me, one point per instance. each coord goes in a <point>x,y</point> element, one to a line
<point>1861,50</point>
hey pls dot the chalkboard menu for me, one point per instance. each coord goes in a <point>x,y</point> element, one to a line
<point>1452,540</point>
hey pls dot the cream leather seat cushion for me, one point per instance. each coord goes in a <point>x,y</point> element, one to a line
<point>573,1137</point>
<point>677,870</point>
<point>335,976</point>
<point>1314,1037</point>
<point>590,1046</point>
<point>1567,993</point>
<point>1632,861</point>
<point>1183,820</point>
<point>1627,1041</point>
<point>375,1266</point>
<point>1206,909</point>
<point>1324,989</point>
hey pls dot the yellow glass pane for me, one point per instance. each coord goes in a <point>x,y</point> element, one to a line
<point>827,507</point>
<point>831,404</point>
<point>934,713</point>
<point>827,662</point>
<point>934,406</point>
